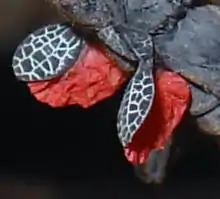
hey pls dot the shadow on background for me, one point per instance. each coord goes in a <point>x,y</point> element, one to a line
<point>73,152</point>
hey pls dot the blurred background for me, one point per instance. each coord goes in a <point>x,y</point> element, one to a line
<point>70,152</point>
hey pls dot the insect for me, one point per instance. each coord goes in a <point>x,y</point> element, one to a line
<point>136,32</point>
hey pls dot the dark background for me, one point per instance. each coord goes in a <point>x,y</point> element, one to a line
<point>74,153</point>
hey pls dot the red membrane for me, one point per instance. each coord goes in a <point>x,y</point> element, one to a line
<point>171,101</point>
<point>94,77</point>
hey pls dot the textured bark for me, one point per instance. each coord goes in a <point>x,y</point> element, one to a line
<point>194,52</point>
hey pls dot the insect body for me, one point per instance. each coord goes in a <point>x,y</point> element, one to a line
<point>134,31</point>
